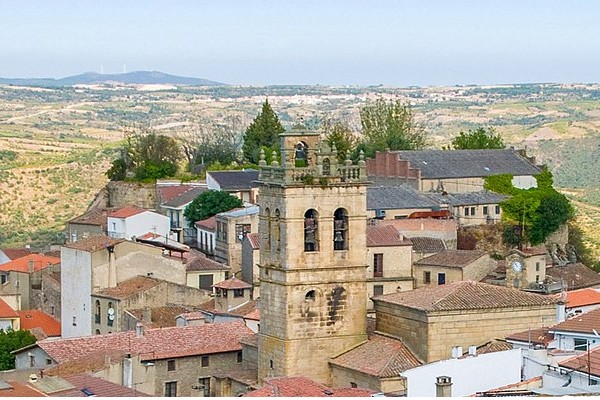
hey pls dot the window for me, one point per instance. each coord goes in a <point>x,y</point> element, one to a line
<point>441,278</point>
<point>310,295</point>
<point>170,389</point>
<point>221,231</point>
<point>466,211</point>
<point>238,292</point>
<point>580,344</point>
<point>204,386</point>
<point>377,290</point>
<point>205,282</point>
<point>485,210</point>
<point>268,232</point>
<point>51,310</point>
<point>378,265</point>
<point>74,321</point>
<point>472,211</point>
<point>301,155</point>
<point>426,276</point>
<point>537,266</point>
<point>311,232</point>
<point>340,229</point>
<point>326,167</point>
<point>3,278</point>
<point>277,233</point>
<point>204,361</point>
<point>241,230</point>
<point>171,365</point>
<point>271,364</point>
<point>98,312</point>
<point>240,356</point>
<point>497,210</point>
<point>111,314</point>
<point>537,278</point>
<point>97,331</point>
<point>48,361</point>
<point>31,361</point>
<point>353,385</point>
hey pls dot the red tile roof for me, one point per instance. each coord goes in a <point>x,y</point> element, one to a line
<point>539,336</point>
<point>192,316</point>
<point>452,258</point>
<point>465,295</point>
<point>98,386</point>
<point>253,315</point>
<point>300,386</point>
<point>155,344</point>
<point>381,356</point>
<point>17,389</point>
<point>583,323</point>
<point>535,251</point>
<point>576,276</point>
<point>254,240</point>
<point>13,254</point>
<point>7,311</point>
<point>40,261</point>
<point>580,363</point>
<point>31,319</point>
<point>94,243</point>
<point>126,212</point>
<point>582,297</point>
<point>209,224</point>
<point>385,235</point>
<point>95,216</point>
<point>129,287</point>
<point>168,193</point>
<point>233,283</point>
<point>160,317</point>
<point>202,263</point>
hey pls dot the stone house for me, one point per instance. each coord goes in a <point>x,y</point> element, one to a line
<point>526,269</point>
<point>232,228</point>
<point>174,209</point>
<point>451,266</point>
<point>451,171</point>
<point>109,304</point>
<point>205,235</point>
<point>155,317</point>
<point>426,246</point>
<point>91,223</point>
<point>202,272</point>
<point>436,321</point>
<point>241,184</point>
<point>389,262</point>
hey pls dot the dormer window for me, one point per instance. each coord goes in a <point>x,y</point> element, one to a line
<point>311,231</point>
<point>340,229</point>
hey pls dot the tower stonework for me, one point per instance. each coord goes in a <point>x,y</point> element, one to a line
<point>312,258</point>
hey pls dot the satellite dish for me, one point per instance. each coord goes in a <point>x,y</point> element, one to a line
<point>111,311</point>
<point>111,317</point>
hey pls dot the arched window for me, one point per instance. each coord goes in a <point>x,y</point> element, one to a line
<point>277,230</point>
<point>326,166</point>
<point>310,295</point>
<point>311,230</point>
<point>268,228</point>
<point>340,229</point>
<point>111,314</point>
<point>301,155</point>
<point>98,312</point>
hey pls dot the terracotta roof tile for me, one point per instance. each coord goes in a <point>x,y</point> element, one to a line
<point>427,244</point>
<point>576,276</point>
<point>300,386</point>
<point>88,362</point>
<point>466,295</point>
<point>254,240</point>
<point>493,347</point>
<point>209,224</point>
<point>155,344</point>
<point>130,287</point>
<point>452,258</point>
<point>38,261</point>
<point>95,216</point>
<point>184,198</point>
<point>381,356</point>
<point>535,250</point>
<point>583,323</point>
<point>253,315</point>
<point>17,389</point>
<point>160,317</point>
<point>98,386</point>
<point>251,340</point>
<point>192,316</point>
<point>13,254</point>
<point>385,235</point>
<point>202,263</point>
<point>126,212</point>
<point>167,193</point>
<point>540,336</point>
<point>31,319</point>
<point>581,362</point>
<point>233,283</point>
<point>582,297</point>
<point>7,311</point>
<point>94,243</point>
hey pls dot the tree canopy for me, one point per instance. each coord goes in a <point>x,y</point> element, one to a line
<point>340,135</point>
<point>263,132</point>
<point>481,138</point>
<point>210,203</point>
<point>12,340</point>
<point>389,125</point>
<point>148,156</point>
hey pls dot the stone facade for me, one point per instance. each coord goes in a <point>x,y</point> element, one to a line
<point>344,377</point>
<point>313,289</point>
<point>473,271</point>
<point>396,274</point>
<point>232,227</point>
<point>122,194</point>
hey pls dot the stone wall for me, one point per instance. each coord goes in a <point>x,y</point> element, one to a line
<point>51,294</point>
<point>132,193</point>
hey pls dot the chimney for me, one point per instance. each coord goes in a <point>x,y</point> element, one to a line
<point>128,371</point>
<point>443,386</point>
<point>147,314</point>
<point>139,329</point>
<point>472,351</point>
<point>30,266</point>
<point>561,312</point>
<point>33,378</point>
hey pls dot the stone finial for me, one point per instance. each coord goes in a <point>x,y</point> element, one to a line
<point>348,160</point>
<point>274,161</point>
<point>334,149</point>
<point>262,160</point>
<point>361,158</point>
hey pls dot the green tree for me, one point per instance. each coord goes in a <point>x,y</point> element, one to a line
<point>262,132</point>
<point>12,340</point>
<point>553,211</point>
<point>481,138</point>
<point>210,203</point>
<point>340,135</point>
<point>389,125</point>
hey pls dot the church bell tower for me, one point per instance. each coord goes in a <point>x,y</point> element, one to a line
<point>312,258</point>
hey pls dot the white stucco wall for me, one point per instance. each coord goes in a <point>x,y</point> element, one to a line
<point>76,286</point>
<point>469,375</point>
<point>140,224</point>
<point>524,182</point>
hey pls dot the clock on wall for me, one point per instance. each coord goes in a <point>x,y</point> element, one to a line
<point>517,266</point>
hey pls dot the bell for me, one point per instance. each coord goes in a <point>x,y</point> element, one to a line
<point>338,237</point>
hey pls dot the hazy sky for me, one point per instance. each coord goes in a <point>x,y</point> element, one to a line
<point>346,42</point>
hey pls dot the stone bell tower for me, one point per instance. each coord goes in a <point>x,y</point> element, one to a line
<point>312,258</point>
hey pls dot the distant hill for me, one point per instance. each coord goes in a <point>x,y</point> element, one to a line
<point>137,77</point>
